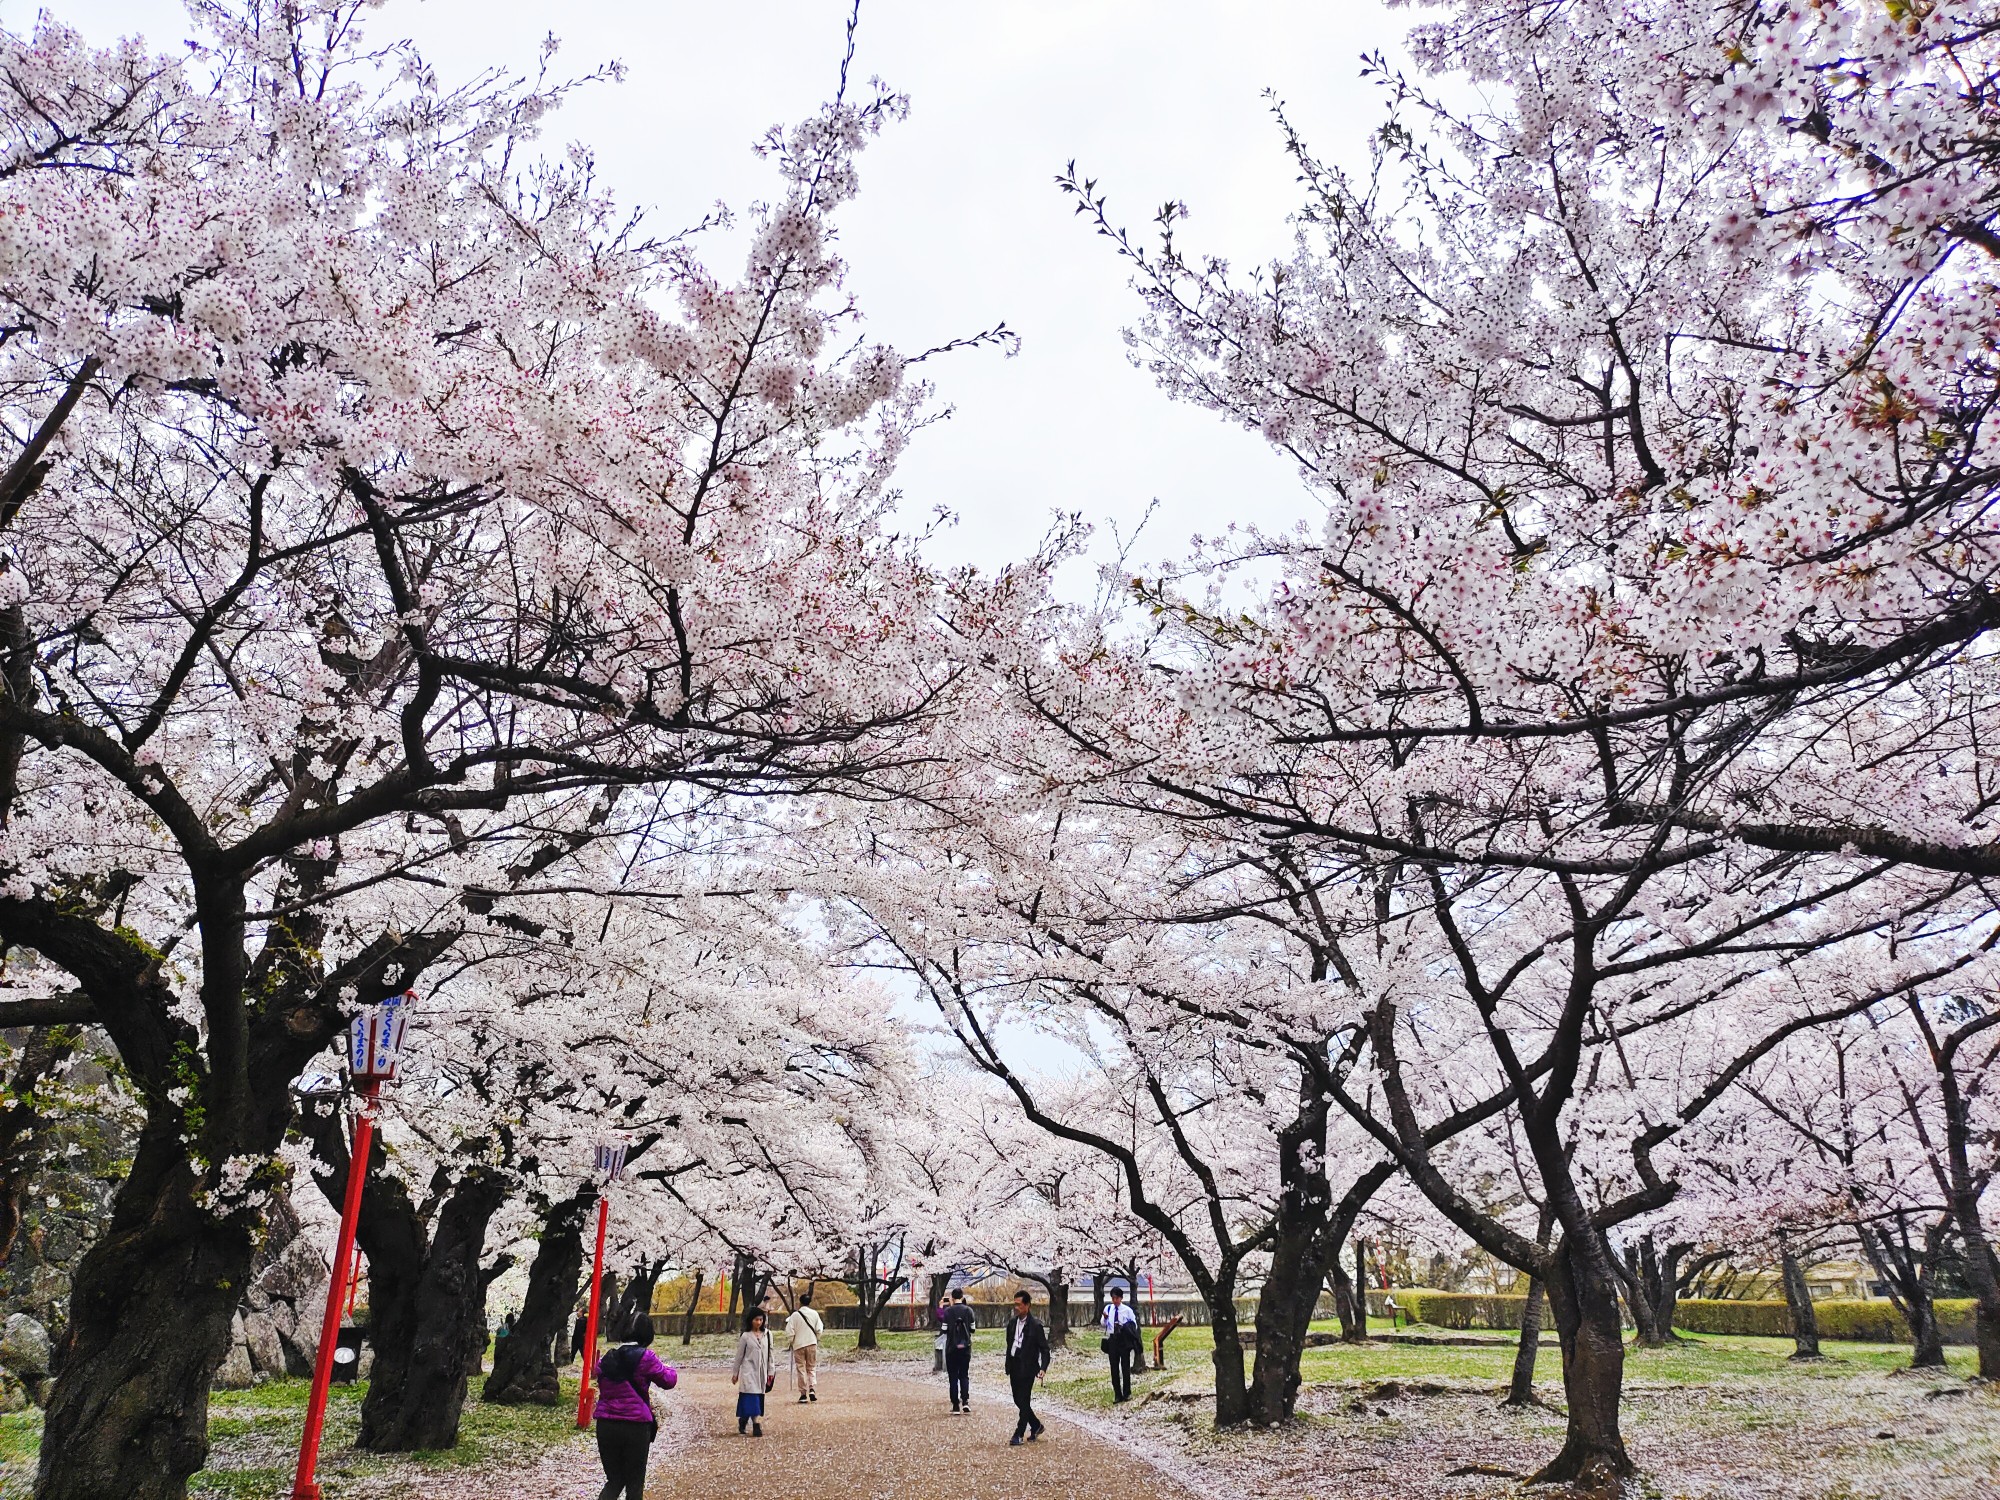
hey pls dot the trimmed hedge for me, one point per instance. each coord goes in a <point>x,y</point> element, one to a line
<point>1455,1309</point>
<point>1863,1322</point>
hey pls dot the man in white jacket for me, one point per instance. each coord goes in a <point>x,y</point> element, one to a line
<point>802,1331</point>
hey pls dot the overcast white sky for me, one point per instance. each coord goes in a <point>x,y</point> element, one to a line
<point>959,224</point>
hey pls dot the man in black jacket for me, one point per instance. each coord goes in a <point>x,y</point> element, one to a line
<point>1027,1349</point>
<point>956,1316</point>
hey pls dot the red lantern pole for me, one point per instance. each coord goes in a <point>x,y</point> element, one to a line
<point>585,1397</point>
<point>304,1485</point>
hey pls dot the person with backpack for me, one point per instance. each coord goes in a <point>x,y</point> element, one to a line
<point>753,1373</point>
<point>958,1320</point>
<point>626,1425</point>
<point>802,1331</point>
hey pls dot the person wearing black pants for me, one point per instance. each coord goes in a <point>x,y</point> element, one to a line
<point>1121,1342</point>
<point>956,1316</point>
<point>624,1411</point>
<point>1027,1349</point>
<point>622,1448</point>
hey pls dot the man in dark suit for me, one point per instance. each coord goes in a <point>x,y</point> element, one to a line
<point>957,1318</point>
<point>1027,1349</point>
<point>1121,1342</point>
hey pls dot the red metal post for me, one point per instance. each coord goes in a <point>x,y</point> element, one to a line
<point>353,1280</point>
<point>304,1485</point>
<point>585,1396</point>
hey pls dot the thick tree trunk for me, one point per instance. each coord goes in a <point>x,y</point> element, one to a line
<point>872,1292</point>
<point>1926,1337</point>
<point>1521,1385</point>
<point>1798,1299</point>
<point>1232,1395</point>
<point>1982,1269</point>
<point>426,1292</point>
<point>524,1368</point>
<point>1058,1313</point>
<point>1583,1300</point>
<point>1298,1260</point>
<point>420,1327</point>
<point>150,1310</point>
<point>1651,1291</point>
<point>1986,1333</point>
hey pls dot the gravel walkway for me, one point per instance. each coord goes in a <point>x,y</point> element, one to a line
<point>882,1437</point>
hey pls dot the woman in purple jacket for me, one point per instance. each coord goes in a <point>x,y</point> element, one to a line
<point>625,1422</point>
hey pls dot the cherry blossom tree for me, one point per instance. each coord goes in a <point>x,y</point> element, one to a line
<point>1646,406</point>
<point>1886,1126</point>
<point>1202,988</point>
<point>385,503</point>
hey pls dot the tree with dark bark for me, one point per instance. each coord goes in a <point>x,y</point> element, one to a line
<point>1579,1267</point>
<point>1905,1249</point>
<point>875,1275</point>
<point>1654,1283</point>
<point>478,1336</point>
<point>1521,1378</point>
<point>1962,1045</point>
<point>352,593</point>
<point>635,1299</point>
<point>1883,1113</point>
<point>524,1367</point>
<point>1798,1304</point>
<point>426,1289</point>
<point>1564,583</point>
<point>693,1306</point>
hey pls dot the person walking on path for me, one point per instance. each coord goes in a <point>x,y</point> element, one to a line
<point>958,1320</point>
<point>753,1373</point>
<point>1121,1342</point>
<point>1027,1361</point>
<point>625,1421</point>
<point>802,1331</point>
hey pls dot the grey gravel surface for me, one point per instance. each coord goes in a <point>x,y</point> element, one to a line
<point>883,1437</point>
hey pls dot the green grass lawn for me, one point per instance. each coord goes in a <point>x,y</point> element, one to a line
<point>254,1436</point>
<point>1705,1360</point>
<point>255,1432</point>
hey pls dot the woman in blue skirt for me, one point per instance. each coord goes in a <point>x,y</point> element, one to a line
<point>753,1373</point>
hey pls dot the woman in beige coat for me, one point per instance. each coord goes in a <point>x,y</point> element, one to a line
<point>753,1372</point>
